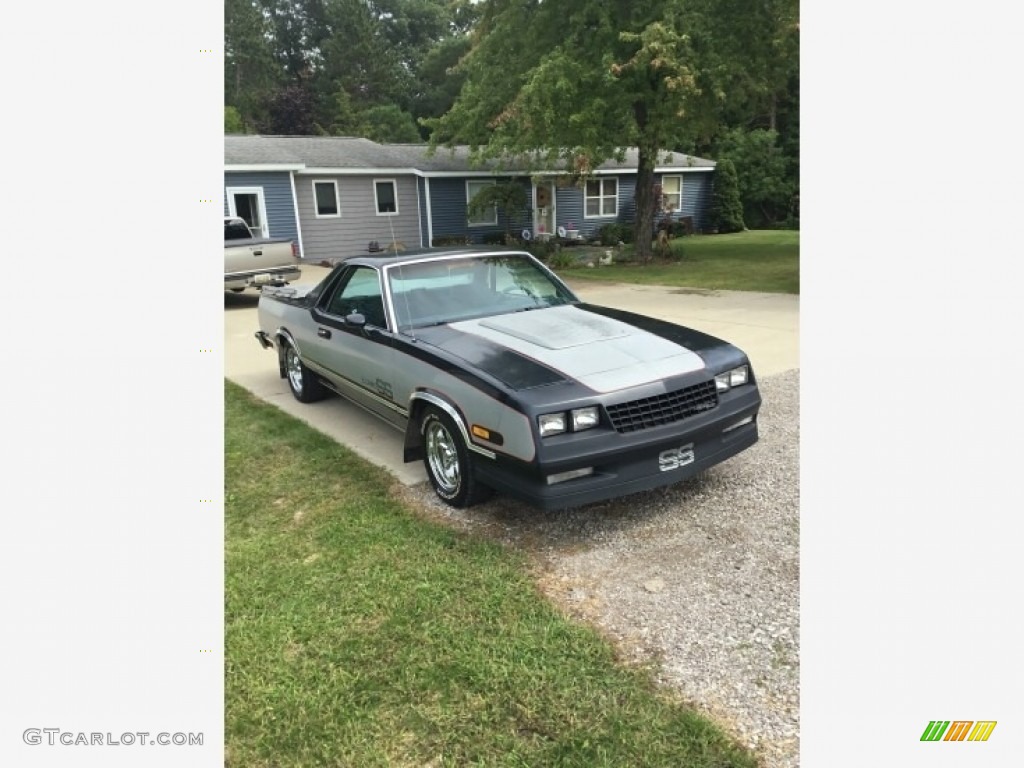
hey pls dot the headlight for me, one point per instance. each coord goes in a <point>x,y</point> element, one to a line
<point>733,378</point>
<point>585,418</point>
<point>577,419</point>
<point>551,424</point>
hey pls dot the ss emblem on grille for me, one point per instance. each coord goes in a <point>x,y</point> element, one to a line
<point>674,458</point>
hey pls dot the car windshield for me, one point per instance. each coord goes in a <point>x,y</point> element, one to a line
<point>448,290</point>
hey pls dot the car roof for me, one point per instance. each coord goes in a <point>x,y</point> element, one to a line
<point>418,254</point>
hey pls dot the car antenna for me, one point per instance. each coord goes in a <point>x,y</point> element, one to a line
<point>401,276</point>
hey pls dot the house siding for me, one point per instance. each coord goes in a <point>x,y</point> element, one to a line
<point>569,209</point>
<point>277,195</point>
<point>697,198</point>
<point>351,233</point>
<point>448,211</point>
<point>448,206</point>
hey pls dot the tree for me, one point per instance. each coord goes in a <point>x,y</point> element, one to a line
<point>765,186</point>
<point>576,86</point>
<point>291,111</point>
<point>251,70</point>
<point>233,121</point>
<point>753,73</point>
<point>389,124</point>
<point>726,208</point>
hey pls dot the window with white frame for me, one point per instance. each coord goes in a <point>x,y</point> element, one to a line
<point>672,193</point>
<point>325,198</point>
<point>486,217</point>
<point>602,198</point>
<point>385,193</point>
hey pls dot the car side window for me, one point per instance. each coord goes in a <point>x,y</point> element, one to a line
<point>359,292</point>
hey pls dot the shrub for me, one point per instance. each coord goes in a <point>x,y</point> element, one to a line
<point>613,234</point>
<point>559,259</point>
<point>542,249</point>
<point>442,240</point>
<point>608,234</point>
<point>493,238</point>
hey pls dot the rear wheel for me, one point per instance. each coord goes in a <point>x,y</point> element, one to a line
<point>446,459</point>
<point>303,384</point>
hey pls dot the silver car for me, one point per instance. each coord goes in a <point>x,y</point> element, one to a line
<point>502,379</point>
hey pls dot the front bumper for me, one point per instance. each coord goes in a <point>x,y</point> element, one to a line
<point>669,456</point>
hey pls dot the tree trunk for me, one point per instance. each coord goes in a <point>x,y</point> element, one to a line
<point>643,196</point>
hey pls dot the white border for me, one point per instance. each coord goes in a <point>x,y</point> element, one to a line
<point>602,198</point>
<point>485,182</point>
<point>376,202</point>
<point>261,201</point>
<point>316,201</point>
<point>679,176</point>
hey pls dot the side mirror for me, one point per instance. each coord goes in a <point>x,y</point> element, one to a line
<point>355,319</point>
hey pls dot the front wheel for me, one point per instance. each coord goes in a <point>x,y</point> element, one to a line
<point>446,459</point>
<point>303,384</point>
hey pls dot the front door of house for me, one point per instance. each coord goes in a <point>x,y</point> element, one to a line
<point>543,210</point>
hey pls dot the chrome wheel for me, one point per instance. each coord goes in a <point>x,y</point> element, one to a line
<point>443,457</point>
<point>293,366</point>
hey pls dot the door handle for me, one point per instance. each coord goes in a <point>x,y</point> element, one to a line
<point>323,333</point>
<point>258,253</point>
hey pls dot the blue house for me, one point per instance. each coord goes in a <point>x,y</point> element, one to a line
<point>337,196</point>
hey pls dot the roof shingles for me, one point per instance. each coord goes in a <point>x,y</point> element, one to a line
<point>342,152</point>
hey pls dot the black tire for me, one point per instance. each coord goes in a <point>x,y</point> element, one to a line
<point>301,381</point>
<point>446,459</point>
<point>236,290</point>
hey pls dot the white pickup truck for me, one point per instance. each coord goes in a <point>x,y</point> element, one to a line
<point>256,262</point>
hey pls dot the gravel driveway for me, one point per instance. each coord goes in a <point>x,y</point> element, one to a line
<point>701,579</point>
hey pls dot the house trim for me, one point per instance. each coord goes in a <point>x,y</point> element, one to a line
<point>298,221</point>
<point>430,214</point>
<point>316,200</point>
<point>261,201</point>
<point>264,167</point>
<point>376,202</point>
<point>494,209</point>
<point>602,197</point>
<point>679,176</point>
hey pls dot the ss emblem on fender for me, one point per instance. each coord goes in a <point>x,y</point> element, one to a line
<point>674,458</point>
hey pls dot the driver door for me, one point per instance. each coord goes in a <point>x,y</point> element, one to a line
<point>353,346</point>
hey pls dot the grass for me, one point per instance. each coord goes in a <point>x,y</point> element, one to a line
<point>358,634</point>
<point>757,260</point>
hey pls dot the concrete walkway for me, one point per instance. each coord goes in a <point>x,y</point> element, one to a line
<point>764,325</point>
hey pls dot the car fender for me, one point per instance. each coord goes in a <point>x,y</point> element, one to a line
<point>413,448</point>
<point>282,334</point>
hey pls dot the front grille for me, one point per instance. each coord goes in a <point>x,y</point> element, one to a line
<point>664,409</point>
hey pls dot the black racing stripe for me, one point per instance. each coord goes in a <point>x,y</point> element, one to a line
<point>455,368</point>
<point>695,341</point>
<point>516,370</point>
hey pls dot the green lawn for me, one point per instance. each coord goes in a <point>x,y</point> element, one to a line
<point>759,260</point>
<point>358,634</point>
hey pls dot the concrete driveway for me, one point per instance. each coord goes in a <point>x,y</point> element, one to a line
<point>764,325</point>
